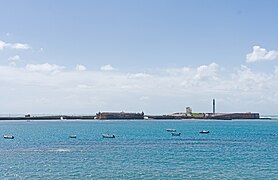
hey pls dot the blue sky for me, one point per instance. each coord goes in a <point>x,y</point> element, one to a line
<point>153,56</point>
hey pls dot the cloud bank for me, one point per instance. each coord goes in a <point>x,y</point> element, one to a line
<point>51,88</point>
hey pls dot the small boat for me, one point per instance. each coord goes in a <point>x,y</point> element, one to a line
<point>8,137</point>
<point>108,136</point>
<point>176,134</point>
<point>204,132</point>
<point>72,136</point>
<point>171,130</point>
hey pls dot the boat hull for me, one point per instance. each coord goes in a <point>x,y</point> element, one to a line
<point>8,137</point>
<point>171,130</point>
<point>176,134</point>
<point>72,136</point>
<point>108,136</point>
<point>204,132</point>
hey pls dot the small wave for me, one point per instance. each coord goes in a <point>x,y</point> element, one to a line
<point>60,150</point>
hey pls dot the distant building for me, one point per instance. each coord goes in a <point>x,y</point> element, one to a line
<point>188,110</point>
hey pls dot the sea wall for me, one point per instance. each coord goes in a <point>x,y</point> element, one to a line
<point>119,115</point>
<point>236,116</point>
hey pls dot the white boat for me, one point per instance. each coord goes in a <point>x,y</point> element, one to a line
<point>108,136</point>
<point>8,137</point>
<point>176,134</point>
<point>171,130</point>
<point>204,132</point>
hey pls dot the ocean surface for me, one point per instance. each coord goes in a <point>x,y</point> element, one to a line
<point>141,150</point>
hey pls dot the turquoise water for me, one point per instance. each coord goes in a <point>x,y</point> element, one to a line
<point>141,150</point>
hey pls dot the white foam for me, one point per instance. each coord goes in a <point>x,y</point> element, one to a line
<point>60,150</point>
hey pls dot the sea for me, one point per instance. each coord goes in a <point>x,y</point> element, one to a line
<point>142,149</point>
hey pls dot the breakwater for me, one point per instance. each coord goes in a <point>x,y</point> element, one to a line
<point>54,117</point>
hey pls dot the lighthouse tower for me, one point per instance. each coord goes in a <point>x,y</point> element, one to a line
<point>213,106</point>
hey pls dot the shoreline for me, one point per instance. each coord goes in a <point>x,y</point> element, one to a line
<point>72,119</point>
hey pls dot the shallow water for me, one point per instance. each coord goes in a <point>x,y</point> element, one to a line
<point>141,150</point>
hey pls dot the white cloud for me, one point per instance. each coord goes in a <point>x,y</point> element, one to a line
<point>276,70</point>
<point>14,58</point>
<point>107,67</point>
<point>83,86</point>
<point>13,45</point>
<point>178,71</point>
<point>246,80</point>
<point>140,75</point>
<point>12,63</point>
<point>261,54</point>
<point>44,68</point>
<point>20,46</point>
<point>2,45</point>
<point>144,98</point>
<point>207,72</point>
<point>80,67</point>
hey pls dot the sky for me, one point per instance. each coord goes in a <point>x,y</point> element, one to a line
<point>159,56</point>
